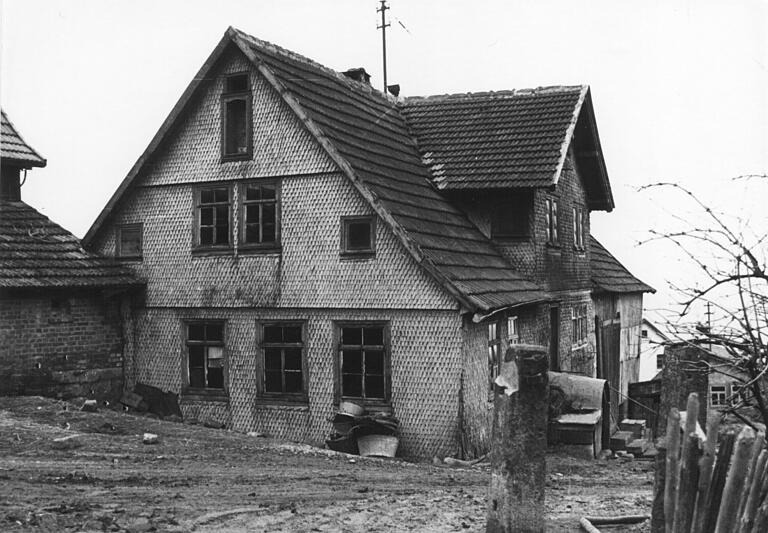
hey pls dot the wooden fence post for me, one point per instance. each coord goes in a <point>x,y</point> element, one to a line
<point>519,443</point>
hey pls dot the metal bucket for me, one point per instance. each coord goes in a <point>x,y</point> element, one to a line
<point>378,445</point>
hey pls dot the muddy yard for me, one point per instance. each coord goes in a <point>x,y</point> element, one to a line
<point>104,478</point>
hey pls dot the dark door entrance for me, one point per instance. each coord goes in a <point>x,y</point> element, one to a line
<point>554,339</point>
<point>608,334</point>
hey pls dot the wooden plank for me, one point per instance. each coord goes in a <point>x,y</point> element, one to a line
<point>689,469</point>
<point>714,497</point>
<point>757,447</point>
<point>706,464</point>
<point>753,498</point>
<point>729,505</point>
<point>673,450</point>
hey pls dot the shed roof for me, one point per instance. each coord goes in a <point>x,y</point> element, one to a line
<point>609,275</point>
<point>366,135</point>
<point>37,253</point>
<point>509,139</point>
<point>13,148</point>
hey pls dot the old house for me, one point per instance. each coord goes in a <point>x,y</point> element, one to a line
<point>60,325</point>
<point>652,341</point>
<point>306,239</point>
<point>618,304</point>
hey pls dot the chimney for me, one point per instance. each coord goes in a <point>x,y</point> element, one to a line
<point>358,74</point>
<point>394,90</point>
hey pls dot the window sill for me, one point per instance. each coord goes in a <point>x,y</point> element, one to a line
<point>357,256</point>
<point>204,395</point>
<point>236,157</point>
<point>370,406</point>
<point>202,251</point>
<point>297,404</point>
<point>254,249</point>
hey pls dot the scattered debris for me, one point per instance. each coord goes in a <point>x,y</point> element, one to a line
<point>348,429</point>
<point>150,438</point>
<point>67,443</point>
<point>90,406</point>
<point>257,434</point>
<point>213,424</point>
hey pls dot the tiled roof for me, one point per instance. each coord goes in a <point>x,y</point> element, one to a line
<point>496,139</point>
<point>14,149</point>
<point>370,135</point>
<point>37,253</point>
<point>610,275</point>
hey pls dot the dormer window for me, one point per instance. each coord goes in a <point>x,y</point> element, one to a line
<point>236,118</point>
<point>510,214</point>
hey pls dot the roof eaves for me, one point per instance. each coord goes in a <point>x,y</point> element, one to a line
<point>569,133</point>
<point>466,300</point>
<point>159,136</point>
<point>39,162</point>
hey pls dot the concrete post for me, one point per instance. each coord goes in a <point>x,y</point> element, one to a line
<point>685,371</point>
<point>519,442</point>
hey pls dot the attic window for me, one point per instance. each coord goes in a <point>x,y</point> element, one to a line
<point>579,228</point>
<point>129,241</point>
<point>358,236</point>
<point>553,224</point>
<point>236,118</point>
<point>510,214</point>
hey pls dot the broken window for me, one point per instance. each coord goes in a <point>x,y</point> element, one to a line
<point>283,348</point>
<point>129,241</point>
<point>579,231</point>
<point>510,214</point>
<point>260,220</point>
<point>358,235</point>
<point>213,217</point>
<point>494,353</point>
<point>236,114</point>
<point>552,224</point>
<point>364,362</point>
<point>205,355</point>
<point>717,395</point>
<point>579,329</point>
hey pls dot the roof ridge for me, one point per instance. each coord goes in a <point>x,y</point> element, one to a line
<point>295,56</point>
<point>504,93</point>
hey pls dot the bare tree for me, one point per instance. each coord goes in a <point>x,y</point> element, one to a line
<point>729,279</point>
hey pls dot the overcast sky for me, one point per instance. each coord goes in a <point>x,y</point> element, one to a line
<point>680,88</point>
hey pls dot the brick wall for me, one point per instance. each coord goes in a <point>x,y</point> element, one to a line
<point>66,346</point>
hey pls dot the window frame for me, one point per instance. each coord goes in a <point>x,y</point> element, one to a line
<point>513,330</point>
<point>241,208</point>
<point>119,241</point>
<point>719,397</point>
<point>345,222</point>
<point>579,228</point>
<point>338,362</point>
<point>579,326</point>
<point>494,349</point>
<point>196,236</point>
<point>226,98</point>
<point>297,397</point>
<point>552,220</point>
<point>205,392</point>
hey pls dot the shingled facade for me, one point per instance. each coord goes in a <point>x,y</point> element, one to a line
<point>60,306</point>
<point>306,239</point>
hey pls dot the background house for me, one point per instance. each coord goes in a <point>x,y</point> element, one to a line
<point>652,341</point>
<point>618,301</point>
<point>60,327</point>
<point>306,239</point>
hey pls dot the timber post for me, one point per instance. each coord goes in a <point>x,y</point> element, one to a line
<point>519,442</point>
<point>685,371</point>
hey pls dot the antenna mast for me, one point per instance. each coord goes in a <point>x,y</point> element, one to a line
<point>383,9</point>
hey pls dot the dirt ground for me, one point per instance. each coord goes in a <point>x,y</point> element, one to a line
<point>199,479</point>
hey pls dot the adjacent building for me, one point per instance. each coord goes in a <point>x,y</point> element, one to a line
<point>61,332</point>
